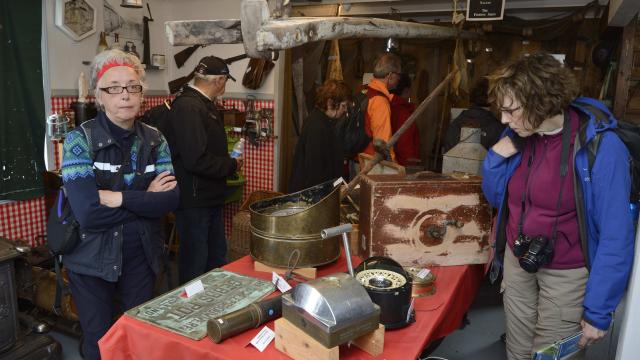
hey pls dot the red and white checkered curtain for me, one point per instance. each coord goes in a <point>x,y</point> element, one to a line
<point>26,219</point>
<point>23,220</point>
<point>258,163</point>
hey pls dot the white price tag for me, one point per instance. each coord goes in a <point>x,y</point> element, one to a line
<point>338,182</point>
<point>423,273</point>
<point>194,288</point>
<point>262,340</point>
<point>280,283</point>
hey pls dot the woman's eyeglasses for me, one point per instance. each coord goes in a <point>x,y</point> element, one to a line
<point>131,89</point>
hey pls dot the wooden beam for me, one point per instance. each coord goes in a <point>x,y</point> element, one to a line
<point>296,31</point>
<point>202,32</point>
<point>413,8</point>
<point>261,35</point>
<point>624,70</point>
<point>254,14</point>
<point>621,12</point>
<point>292,32</point>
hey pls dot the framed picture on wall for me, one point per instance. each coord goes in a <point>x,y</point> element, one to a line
<point>76,18</point>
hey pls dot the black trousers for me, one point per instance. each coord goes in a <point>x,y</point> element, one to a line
<point>203,245</point>
<point>95,298</point>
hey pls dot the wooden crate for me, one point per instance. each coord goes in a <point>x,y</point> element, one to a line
<point>425,219</point>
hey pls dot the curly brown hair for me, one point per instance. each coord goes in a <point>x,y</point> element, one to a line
<point>335,90</point>
<point>538,82</point>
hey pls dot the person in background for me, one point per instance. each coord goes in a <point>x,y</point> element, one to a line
<point>386,74</point>
<point>318,155</point>
<point>565,234</point>
<point>119,186</point>
<point>408,146</point>
<point>477,116</point>
<point>199,142</point>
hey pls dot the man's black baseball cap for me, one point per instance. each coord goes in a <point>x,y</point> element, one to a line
<point>211,65</point>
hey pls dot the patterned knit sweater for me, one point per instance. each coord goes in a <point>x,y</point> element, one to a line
<point>84,176</point>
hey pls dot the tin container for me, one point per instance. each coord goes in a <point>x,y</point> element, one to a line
<point>286,229</point>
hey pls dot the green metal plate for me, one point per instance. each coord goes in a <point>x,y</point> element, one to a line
<point>224,292</point>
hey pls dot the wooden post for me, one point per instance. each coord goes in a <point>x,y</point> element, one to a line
<point>624,70</point>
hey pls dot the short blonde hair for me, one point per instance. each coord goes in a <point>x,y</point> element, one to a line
<point>538,82</point>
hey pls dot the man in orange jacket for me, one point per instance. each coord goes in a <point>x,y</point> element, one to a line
<point>386,74</point>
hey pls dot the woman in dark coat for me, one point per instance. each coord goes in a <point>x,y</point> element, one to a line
<point>318,156</point>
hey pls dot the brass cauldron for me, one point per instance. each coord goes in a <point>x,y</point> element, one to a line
<point>281,225</point>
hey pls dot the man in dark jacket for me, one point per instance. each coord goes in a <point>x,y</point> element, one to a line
<point>202,164</point>
<point>477,116</point>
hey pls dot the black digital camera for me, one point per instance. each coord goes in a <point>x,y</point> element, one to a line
<point>532,252</point>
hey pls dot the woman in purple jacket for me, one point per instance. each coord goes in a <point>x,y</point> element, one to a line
<point>567,226</point>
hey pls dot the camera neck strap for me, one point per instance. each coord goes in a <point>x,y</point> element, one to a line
<point>564,169</point>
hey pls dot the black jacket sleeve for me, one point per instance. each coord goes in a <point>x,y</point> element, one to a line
<point>187,119</point>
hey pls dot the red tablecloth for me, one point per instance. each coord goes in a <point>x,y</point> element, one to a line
<point>436,316</point>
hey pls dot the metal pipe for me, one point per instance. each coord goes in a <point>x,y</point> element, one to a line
<point>335,231</point>
<point>244,319</point>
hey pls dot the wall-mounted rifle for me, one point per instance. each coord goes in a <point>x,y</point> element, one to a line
<point>177,84</point>
<point>146,56</point>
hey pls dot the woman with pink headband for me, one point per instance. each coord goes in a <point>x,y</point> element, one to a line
<point>118,176</point>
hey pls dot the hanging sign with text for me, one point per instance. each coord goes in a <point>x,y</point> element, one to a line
<point>485,10</point>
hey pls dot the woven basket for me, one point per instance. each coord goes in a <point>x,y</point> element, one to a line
<point>257,196</point>
<point>238,244</point>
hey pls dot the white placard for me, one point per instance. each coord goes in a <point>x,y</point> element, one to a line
<point>423,273</point>
<point>280,283</point>
<point>194,288</point>
<point>338,181</point>
<point>485,10</point>
<point>262,340</point>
